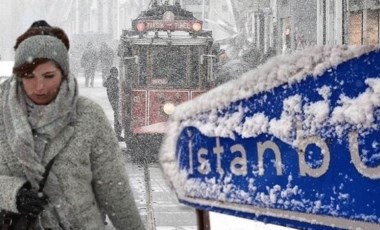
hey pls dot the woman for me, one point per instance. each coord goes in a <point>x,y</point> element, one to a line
<point>44,124</point>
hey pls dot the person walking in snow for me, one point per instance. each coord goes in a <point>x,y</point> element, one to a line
<point>112,85</point>
<point>61,167</point>
<point>89,61</point>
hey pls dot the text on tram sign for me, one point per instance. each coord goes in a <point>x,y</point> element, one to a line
<point>184,25</point>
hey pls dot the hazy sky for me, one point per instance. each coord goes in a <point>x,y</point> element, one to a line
<point>17,15</point>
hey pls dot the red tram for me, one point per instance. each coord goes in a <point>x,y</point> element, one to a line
<point>166,59</point>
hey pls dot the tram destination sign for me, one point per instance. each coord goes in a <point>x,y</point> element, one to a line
<point>294,143</point>
<point>168,22</point>
<point>152,25</point>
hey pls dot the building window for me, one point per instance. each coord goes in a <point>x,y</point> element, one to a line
<point>355,28</point>
<point>287,38</point>
<point>372,27</point>
<point>357,33</point>
<point>286,35</point>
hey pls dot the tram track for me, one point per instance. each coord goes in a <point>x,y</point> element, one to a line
<point>150,218</point>
<point>158,206</point>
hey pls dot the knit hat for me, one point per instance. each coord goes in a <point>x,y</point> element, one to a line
<point>43,44</point>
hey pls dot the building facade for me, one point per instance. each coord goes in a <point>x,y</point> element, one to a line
<point>290,25</point>
<point>91,16</point>
<point>282,25</point>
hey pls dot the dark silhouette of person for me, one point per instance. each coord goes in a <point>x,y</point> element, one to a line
<point>106,56</point>
<point>89,62</point>
<point>112,85</point>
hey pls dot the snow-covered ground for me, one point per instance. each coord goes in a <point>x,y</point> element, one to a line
<point>225,222</point>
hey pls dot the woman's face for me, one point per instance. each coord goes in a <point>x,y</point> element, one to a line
<point>42,85</point>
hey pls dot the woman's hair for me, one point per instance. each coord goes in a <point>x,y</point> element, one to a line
<point>41,28</point>
<point>28,67</point>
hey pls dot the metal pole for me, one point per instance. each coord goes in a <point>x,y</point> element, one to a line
<point>203,10</point>
<point>203,219</point>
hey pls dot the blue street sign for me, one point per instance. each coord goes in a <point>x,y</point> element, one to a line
<point>298,147</point>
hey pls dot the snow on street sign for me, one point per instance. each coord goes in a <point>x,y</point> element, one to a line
<point>295,142</point>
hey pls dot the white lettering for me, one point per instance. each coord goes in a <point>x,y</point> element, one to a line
<point>218,150</point>
<point>204,166</point>
<point>373,173</point>
<point>305,169</point>
<point>261,148</point>
<point>239,164</point>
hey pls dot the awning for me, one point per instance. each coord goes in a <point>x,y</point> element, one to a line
<point>160,127</point>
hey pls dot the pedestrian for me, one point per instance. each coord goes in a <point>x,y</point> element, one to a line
<point>106,56</point>
<point>60,165</point>
<point>89,61</point>
<point>112,85</point>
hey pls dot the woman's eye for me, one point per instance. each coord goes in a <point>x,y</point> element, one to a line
<point>49,76</point>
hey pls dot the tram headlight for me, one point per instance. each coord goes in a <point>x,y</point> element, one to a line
<point>140,27</point>
<point>169,108</point>
<point>197,26</point>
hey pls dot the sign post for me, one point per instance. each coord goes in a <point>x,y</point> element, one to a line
<point>203,219</point>
<point>294,143</point>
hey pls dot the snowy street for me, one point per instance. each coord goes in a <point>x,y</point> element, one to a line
<point>168,213</point>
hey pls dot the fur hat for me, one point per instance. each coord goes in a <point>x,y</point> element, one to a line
<point>41,42</point>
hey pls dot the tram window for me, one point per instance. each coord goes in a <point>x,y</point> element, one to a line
<point>143,53</point>
<point>195,65</point>
<point>169,65</point>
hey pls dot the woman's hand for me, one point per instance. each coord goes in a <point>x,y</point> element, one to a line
<point>30,202</point>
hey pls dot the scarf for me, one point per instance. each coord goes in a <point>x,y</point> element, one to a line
<point>25,122</point>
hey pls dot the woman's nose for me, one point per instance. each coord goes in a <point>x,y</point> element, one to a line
<point>40,84</point>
